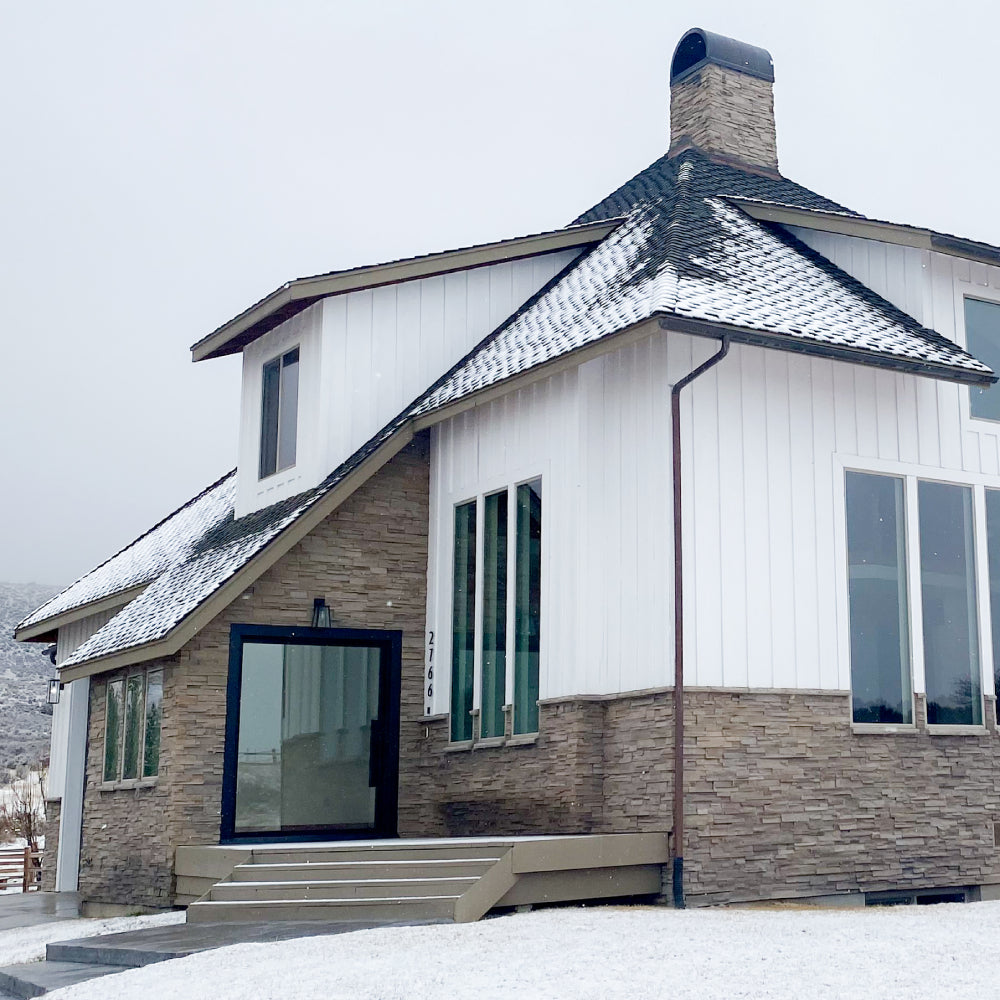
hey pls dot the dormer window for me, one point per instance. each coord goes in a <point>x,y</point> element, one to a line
<point>982,335</point>
<point>279,413</point>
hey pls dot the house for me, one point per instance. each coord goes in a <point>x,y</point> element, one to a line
<point>442,593</point>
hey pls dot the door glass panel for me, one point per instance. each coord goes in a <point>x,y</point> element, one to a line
<point>305,737</point>
<point>948,592</point>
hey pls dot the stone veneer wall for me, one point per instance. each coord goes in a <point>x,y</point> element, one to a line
<point>783,799</point>
<point>723,111</point>
<point>369,559</point>
<point>50,828</point>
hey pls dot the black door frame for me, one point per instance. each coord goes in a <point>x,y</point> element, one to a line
<point>385,750</point>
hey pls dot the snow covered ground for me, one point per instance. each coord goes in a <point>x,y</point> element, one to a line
<point>601,952</point>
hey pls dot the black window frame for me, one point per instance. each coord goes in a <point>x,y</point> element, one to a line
<point>390,641</point>
<point>272,406</point>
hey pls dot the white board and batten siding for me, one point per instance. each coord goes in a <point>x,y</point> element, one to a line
<point>767,436</point>
<point>364,356</point>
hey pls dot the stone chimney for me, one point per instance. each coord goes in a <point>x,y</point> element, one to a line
<point>722,100</point>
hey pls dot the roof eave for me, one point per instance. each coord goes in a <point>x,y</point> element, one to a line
<point>787,342</point>
<point>297,295</point>
<point>230,590</point>
<point>45,630</point>
<point>870,229</point>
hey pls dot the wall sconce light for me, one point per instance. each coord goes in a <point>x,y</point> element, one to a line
<point>321,613</point>
<point>55,686</point>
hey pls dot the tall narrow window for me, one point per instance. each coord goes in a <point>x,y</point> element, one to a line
<point>491,718</point>
<point>527,606</point>
<point>876,559</point>
<point>948,590</point>
<point>154,712</point>
<point>133,726</point>
<point>982,334</point>
<point>993,552</point>
<point>463,644</point>
<point>279,413</point>
<point>113,730</point>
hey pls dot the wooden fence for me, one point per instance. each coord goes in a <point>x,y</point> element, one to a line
<point>20,867</point>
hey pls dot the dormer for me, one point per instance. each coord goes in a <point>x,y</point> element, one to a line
<point>328,361</point>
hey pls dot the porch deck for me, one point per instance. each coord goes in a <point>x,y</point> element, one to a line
<point>458,879</point>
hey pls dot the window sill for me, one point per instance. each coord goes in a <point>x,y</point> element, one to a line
<point>489,741</point>
<point>124,786</point>
<point>460,747</point>
<point>522,740</point>
<point>884,728</point>
<point>957,730</point>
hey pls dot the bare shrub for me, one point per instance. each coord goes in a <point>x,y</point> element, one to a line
<point>22,808</point>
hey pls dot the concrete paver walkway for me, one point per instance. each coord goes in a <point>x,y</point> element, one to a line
<point>27,909</point>
<point>68,962</point>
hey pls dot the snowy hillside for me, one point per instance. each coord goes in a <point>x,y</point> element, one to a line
<point>24,716</point>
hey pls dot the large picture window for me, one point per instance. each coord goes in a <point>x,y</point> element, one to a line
<point>505,616</point>
<point>948,593</point>
<point>943,532</point>
<point>312,732</point>
<point>132,726</point>
<point>279,413</point>
<point>876,557</point>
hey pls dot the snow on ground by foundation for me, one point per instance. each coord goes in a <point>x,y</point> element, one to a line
<point>947,950</point>
<point>27,944</point>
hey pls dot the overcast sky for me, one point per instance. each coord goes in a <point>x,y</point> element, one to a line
<point>164,165</point>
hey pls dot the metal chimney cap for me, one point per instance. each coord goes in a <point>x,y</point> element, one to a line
<point>698,47</point>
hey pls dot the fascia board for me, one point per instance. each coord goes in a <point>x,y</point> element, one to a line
<point>784,342</point>
<point>43,631</point>
<point>308,290</point>
<point>870,229</point>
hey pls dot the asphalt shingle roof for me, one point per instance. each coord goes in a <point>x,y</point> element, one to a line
<point>690,253</point>
<point>168,542</point>
<point>681,251</point>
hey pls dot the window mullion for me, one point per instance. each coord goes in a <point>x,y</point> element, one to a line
<point>982,569</point>
<point>912,534</point>
<point>511,597</point>
<point>477,669</point>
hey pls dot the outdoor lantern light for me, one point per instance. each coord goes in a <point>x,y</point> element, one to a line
<point>54,688</point>
<point>321,613</point>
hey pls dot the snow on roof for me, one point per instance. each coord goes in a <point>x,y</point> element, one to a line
<point>164,545</point>
<point>683,251</point>
<point>211,559</point>
<point>699,257</point>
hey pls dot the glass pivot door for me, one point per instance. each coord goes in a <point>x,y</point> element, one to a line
<point>312,734</point>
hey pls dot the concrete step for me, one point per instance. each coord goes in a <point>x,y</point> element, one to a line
<point>105,951</point>
<point>376,910</point>
<point>337,870</point>
<point>348,889</point>
<point>376,853</point>
<point>34,979</point>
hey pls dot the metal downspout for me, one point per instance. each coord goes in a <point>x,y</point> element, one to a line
<point>678,817</point>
